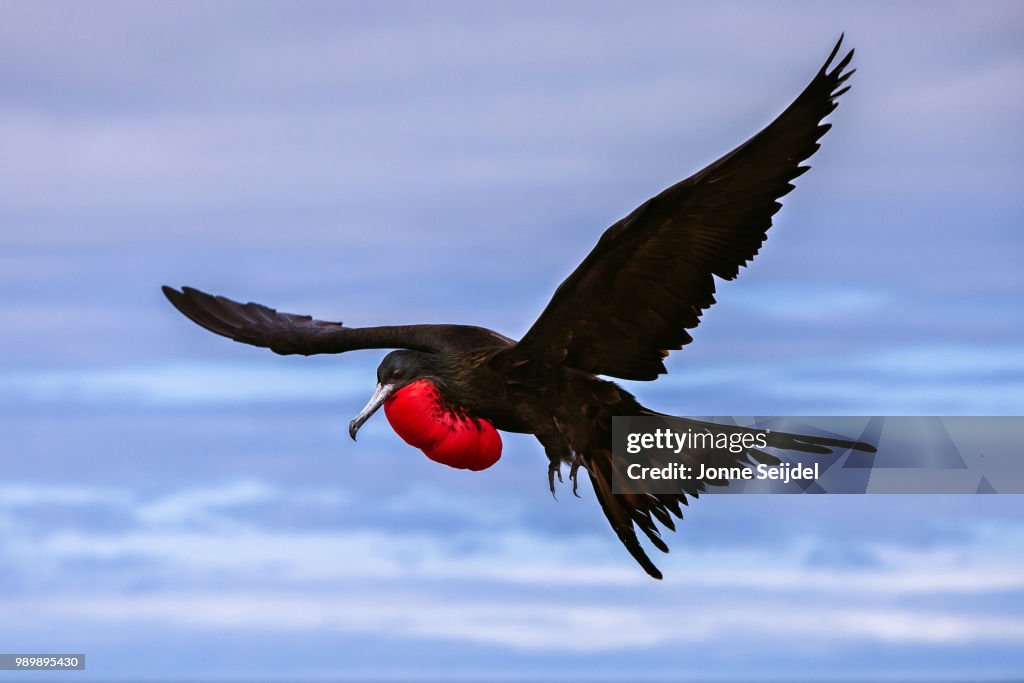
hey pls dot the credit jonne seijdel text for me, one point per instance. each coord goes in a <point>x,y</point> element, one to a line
<point>677,442</point>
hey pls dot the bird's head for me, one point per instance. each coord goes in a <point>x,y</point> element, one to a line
<point>398,370</point>
<point>411,386</point>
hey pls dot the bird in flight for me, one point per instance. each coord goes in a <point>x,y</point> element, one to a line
<point>449,389</point>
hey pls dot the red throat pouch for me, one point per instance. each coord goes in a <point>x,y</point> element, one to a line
<point>418,415</point>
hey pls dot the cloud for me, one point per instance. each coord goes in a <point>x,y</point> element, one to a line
<point>224,558</point>
<point>17,495</point>
<point>250,553</point>
<point>527,625</point>
<point>182,383</point>
<point>212,530</point>
<point>197,505</point>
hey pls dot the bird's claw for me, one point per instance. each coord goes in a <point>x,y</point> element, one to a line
<point>573,471</point>
<point>554,469</point>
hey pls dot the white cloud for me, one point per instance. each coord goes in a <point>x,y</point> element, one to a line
<point>205,532</point>
<point>514,587</point>
<point>183,383</point>
<point>21,494</point>
<point>530,624</point>
<point>201,504</point>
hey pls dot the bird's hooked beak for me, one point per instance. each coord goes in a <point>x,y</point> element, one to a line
<point>380,394</point>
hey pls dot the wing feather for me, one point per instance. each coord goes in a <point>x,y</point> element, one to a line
<point>651,275</point>
<point>287,333</point>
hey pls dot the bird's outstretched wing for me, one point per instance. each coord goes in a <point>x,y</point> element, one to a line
<point>651,274</point>
<point>286,333</point>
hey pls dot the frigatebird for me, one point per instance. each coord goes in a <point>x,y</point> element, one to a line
<point>449,389</point>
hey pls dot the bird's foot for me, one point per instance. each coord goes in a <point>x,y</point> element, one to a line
<point>573,471</point>
<point>554,469</point>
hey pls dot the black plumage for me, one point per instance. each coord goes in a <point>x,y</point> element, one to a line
<point>626,306</point>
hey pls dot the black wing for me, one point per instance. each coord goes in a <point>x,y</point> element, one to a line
<point>651,274</point>
<point>286,333</point>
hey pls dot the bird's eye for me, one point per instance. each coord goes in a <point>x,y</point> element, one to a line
<point>397,373</point>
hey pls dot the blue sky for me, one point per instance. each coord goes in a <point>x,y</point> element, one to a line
<point>178,506</point>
